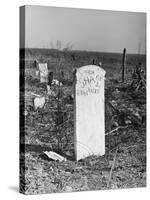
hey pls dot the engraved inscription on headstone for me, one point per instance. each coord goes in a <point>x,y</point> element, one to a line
<point>89,112</point>
<point>43,72</point>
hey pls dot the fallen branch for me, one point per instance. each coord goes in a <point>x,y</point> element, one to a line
<point>134,145</point>
<point>116,129</point>
<point>142,81</point>
<point>112,167</point>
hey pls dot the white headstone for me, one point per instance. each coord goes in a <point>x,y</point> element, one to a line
<point>43,72</point>
<point>89,112</point>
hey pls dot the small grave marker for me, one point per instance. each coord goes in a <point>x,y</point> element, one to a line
<point>43,72</point>
<point>89,122</point>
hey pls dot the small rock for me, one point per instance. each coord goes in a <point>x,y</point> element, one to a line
<point>25,113</point>
<point>68,189</point>
<point>128,122</point>
<point>54,156</point>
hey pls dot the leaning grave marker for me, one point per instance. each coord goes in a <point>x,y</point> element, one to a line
<point>89,121</point>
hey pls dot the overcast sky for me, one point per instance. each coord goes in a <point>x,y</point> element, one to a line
<point>93,30</point>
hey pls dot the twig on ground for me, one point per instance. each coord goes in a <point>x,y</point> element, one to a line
<point>134,145</point>
<point>112,167</point>
<point>116,129</point>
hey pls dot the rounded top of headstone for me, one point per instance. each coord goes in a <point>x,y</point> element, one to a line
<point>92,67</point>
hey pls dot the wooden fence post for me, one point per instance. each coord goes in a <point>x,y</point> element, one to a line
<point>123,63</point>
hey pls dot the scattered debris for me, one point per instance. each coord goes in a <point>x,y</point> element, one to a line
<point>54,156</point>
<point>56,82</point>
<point>68,189</point>
<point>39,102</point>
<point>139,80</point>
<point>51,92</point>
<point>116,93</point>
<point>100,64</point>
<point>25,113</point>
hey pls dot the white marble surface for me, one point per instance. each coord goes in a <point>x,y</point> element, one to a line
<point>89,112</point>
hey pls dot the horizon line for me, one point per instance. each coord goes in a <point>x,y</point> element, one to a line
<point>61,50</point>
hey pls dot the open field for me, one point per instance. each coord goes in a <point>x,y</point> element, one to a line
<point>51,128</point>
